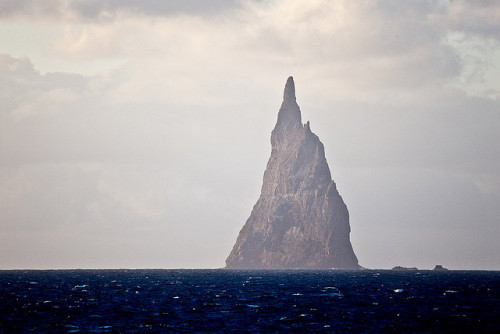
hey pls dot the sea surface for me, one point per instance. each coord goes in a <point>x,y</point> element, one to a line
<point>131,301</point>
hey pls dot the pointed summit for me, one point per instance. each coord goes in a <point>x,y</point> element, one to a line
<point>289,94</point>
<point>300,220</point>
<point>289,114</point>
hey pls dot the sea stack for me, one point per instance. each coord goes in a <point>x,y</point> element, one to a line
<point>300,220</point>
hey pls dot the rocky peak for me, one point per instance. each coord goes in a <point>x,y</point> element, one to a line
<point>299,220</point>
<point>289,93</point>
<point>289,115</point>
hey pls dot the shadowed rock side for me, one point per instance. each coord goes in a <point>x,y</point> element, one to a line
<point>300,220</point>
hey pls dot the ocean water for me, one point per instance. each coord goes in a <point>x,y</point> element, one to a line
<point>131,301</point>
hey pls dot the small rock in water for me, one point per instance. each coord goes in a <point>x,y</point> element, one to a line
<point>439,267</point>
<point>404,268</point>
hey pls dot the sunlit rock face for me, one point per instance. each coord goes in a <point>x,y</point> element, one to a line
<point>299,220</point>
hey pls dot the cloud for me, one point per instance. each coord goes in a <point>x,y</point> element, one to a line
<point>13,8</point>
<point>163,152</point>
<point>96,9</point>
<point>20,82</point>
<point>106,10</point>
<point>479,18</point>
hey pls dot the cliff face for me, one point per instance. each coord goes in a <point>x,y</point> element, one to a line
<point>300,220</point>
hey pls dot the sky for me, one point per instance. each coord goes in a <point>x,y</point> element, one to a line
<point>135,134</point>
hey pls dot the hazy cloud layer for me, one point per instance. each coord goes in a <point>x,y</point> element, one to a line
<point>135,134</point>
<point>105,10</point>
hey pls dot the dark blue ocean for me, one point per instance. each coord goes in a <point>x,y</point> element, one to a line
<point>131,301</point>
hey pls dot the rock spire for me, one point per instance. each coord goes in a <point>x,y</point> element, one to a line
<point>299,220</point>
<point>289,93</point>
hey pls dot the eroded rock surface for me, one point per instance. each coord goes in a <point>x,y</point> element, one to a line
<point>300,220</point>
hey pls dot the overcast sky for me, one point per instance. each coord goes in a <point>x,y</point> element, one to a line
<point>135,134</point>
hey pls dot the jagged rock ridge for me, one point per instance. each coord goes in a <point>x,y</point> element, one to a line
<point>300,220</point>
